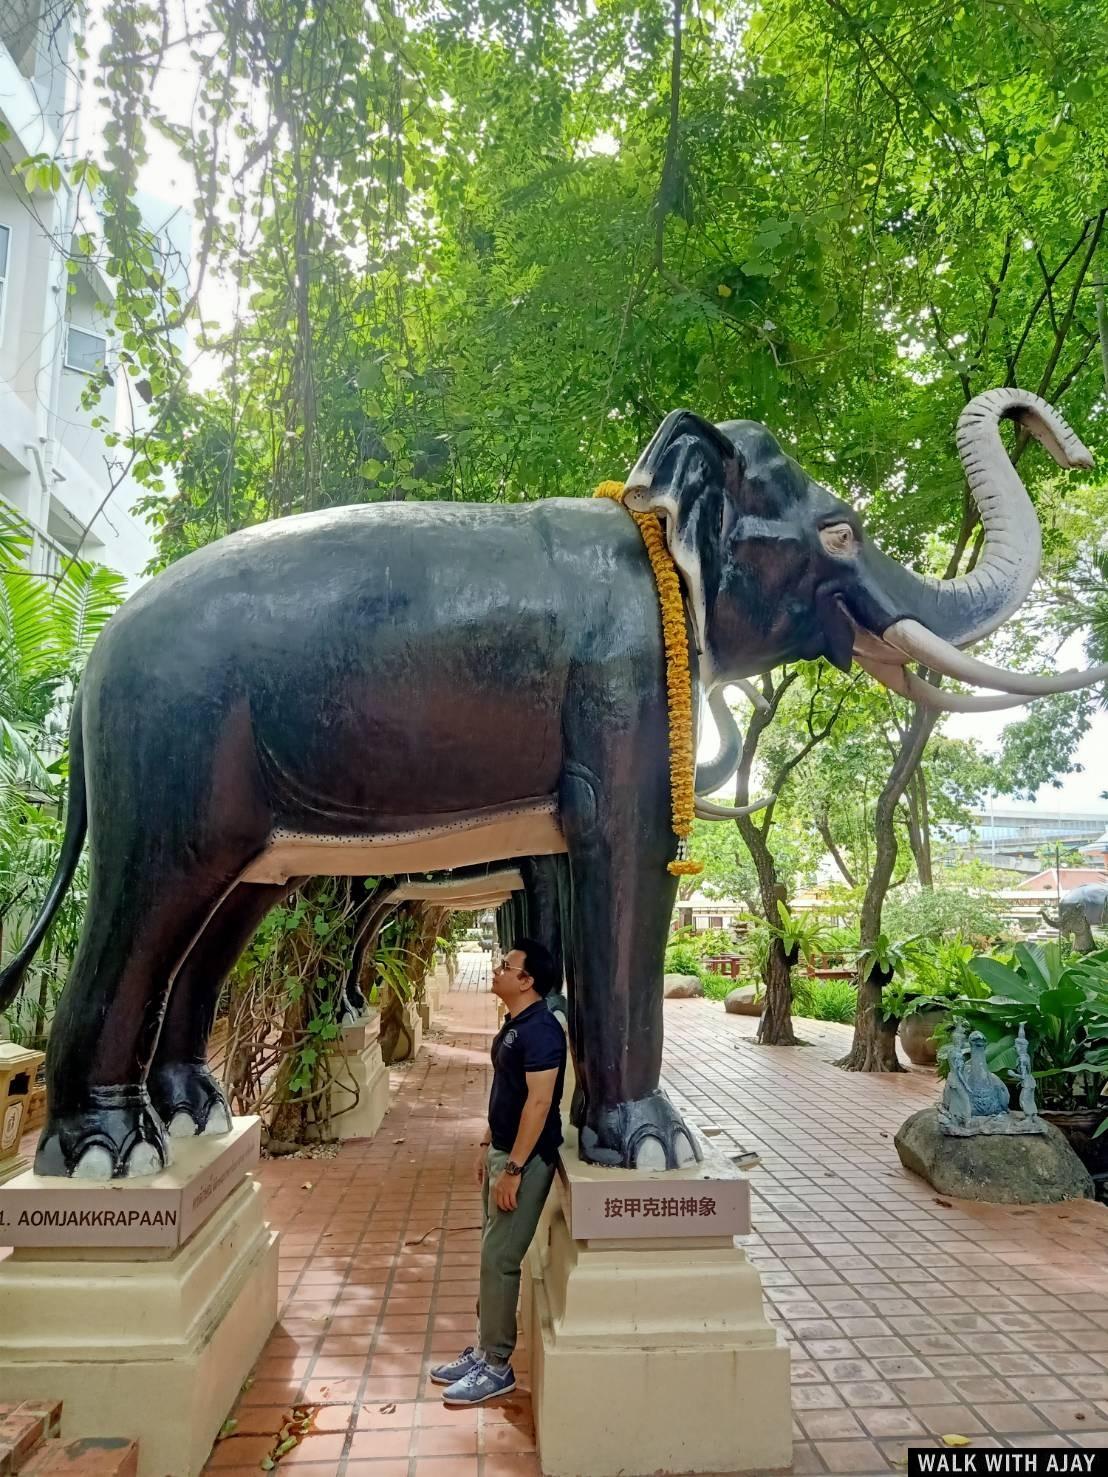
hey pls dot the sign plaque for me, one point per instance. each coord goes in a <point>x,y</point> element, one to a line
<point>162,1210</point>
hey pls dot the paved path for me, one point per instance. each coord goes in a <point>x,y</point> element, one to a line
<point>472,973</point>
<point>909,1317</point>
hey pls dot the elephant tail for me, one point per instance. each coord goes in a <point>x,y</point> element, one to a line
<point>76,826</point>
<point>1053,922</point>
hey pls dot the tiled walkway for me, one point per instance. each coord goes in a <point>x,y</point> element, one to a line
<point>909,1316</point>
<point>472,973</point>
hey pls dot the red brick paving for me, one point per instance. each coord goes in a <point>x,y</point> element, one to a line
<point>909,1317</point>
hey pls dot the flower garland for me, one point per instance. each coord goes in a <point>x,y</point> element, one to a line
<point>682,760</point>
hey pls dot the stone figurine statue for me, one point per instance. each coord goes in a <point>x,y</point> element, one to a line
<point>1028,1106</point>
<point>1080,910</point>
<point>988,1093</point>
<point>957,1108</point>
<point>975,1100</point>
<point>400,687</point>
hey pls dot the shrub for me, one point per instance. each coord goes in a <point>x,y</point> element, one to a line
<point>825,1000</point>
<point>705,944</point>
<point>717,986</point>
<point>682,959</point>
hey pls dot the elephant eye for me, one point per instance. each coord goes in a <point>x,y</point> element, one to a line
<point>839,540</point>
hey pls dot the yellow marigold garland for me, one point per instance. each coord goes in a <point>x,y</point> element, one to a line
<point>682,759</point>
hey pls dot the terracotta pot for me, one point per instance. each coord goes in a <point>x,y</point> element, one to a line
<point>916,1037</point>
<point>1079,1128</point>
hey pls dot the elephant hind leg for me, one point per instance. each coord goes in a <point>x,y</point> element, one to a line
<point>185,1093</point>
<point>144,913</point>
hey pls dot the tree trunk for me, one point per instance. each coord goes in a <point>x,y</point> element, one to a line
<point>919,828</point>
<point>874,1045</point>
<point>776,1025</point>
<point>823,826</point>
<point>878,1035</point>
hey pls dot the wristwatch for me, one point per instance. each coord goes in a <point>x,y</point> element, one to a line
<point>513,1168</point>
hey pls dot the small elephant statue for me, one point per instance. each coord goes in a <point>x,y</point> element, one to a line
<point>1080,910</point>
<point>393,687</point>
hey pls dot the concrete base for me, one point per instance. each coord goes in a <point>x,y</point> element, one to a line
<point>360,1089</point>
<point>651,1356</point>
<point>15,1164</point>
<point>152,1343</point>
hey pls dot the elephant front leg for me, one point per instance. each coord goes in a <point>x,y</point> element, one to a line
<point>619,845</point>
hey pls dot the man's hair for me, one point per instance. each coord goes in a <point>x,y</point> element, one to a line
<point>539,964</point>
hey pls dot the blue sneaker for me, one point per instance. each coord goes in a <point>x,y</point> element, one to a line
<point>483,1382</point>
<point>450,1374</point>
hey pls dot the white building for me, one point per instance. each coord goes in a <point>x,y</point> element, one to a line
<point>55,468</point>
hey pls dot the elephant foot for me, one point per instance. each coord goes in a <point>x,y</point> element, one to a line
<point>116,1136</point>
<point>189,1100</point>
<point>645,1134</point>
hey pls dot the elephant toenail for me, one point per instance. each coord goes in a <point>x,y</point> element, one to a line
<point>219,1120</point>
<point>94,1164</point>
<point>651,1153</point>
<point>144,1159</point>
<point>683,1149</point>
<point>181,1126</point>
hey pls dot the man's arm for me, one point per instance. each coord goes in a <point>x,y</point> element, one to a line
<point>540,1095</point>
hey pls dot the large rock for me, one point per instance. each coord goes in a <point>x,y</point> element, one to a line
<point>1007,1169</point>
<point>682,987</point>
<point>743,1001</point>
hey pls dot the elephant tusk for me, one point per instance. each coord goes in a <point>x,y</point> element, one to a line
<point>927,695</point>
<point>708,810</point>
<point>922,645</point>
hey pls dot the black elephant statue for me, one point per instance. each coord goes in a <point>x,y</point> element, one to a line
<point>382,688</point>
<point>1080,910</point>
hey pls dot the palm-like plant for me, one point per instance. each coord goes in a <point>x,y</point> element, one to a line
<point>47,630</point>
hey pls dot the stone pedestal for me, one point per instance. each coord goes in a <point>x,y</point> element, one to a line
<point>360,1085</point>
<point>142,1305</point>
<point>650,1350</point>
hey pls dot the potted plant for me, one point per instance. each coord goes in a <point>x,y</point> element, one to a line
<point>1062,1000</point>
<point>936,974</point>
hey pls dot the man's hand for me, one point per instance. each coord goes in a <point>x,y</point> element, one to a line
<point>506,1191</point>
<point>479,1164</point>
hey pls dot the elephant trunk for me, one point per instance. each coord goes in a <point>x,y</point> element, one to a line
<point>963,610</point>
<point>714,773</point>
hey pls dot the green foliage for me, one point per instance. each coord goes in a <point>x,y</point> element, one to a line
<point>886,957</point>
<point>936,973</point>
<point>825,1000</point>
<point>682,959</point>
<point>1062,999</point>
<point>47,629</point>
<point>705,943</point>
<point>802,935</point>
<point>944,912</point>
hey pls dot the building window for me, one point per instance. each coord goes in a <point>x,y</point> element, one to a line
<point>5,254</point>
<point>714,922</point>
<point>20,21</point>
<point>84,352</point>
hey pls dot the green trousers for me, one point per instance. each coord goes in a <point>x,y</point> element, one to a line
<point>504,1242</point>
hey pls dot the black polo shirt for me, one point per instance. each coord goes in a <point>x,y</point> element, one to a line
<point>532,1041</point>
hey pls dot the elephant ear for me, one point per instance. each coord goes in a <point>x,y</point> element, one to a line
<point>689,476</point>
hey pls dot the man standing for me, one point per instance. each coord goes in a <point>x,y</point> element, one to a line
<point>515,1168</point>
